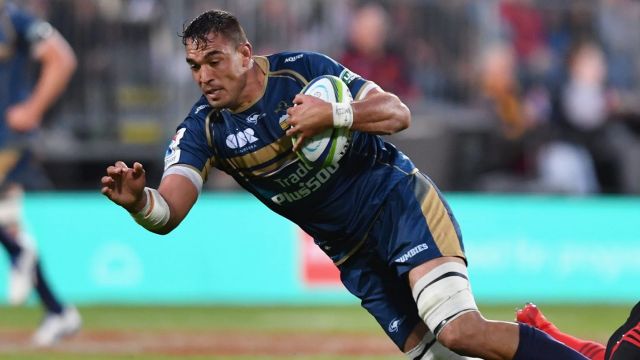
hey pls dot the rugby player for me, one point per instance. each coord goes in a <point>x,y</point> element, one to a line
<point>624,343</point>
<point>383,223</point>
<point>22,37</point>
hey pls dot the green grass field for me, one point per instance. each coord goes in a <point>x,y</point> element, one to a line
<point>212,332</point>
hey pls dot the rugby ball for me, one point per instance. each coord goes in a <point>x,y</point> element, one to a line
<point>329,146</point>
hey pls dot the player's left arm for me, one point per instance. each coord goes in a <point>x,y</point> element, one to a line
<point>380,112</point>
<point>58,62</point>
<point>377,112</point>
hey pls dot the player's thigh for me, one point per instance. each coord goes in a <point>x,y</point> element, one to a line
<point>385,296</point>
<point>416,226</point>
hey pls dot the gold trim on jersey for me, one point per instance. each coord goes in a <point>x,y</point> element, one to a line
<point>289,73</point>
<point>438,218</point>
<point>208,129</point>
<point>8,160</point>
<point>246,163</point>
<point>263,64</point>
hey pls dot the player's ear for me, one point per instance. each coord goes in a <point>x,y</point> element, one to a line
<point>246,50</point>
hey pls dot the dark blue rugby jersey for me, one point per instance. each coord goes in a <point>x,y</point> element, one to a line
<point>335,204</point>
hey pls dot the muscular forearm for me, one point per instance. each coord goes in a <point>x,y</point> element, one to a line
<point>58,64</point>
<point>380,113</point>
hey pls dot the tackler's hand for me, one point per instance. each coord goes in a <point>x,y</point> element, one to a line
<point>308,117</point>
<point>125,186</point>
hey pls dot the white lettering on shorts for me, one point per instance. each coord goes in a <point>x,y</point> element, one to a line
<point>412,252</point>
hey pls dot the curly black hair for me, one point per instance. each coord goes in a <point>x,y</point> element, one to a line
<point>213,22</point>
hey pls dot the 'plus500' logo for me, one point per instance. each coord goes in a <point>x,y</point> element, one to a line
<point>307,187</point>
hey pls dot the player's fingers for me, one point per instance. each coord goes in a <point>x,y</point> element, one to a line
<point>106,192</point>
<point>291,112</point>
<point>298,143</point>
<point>121,164</point>
<point>114,171</point>
<point>138,169</point>
<point>107,181</point>
<point>298,99</point>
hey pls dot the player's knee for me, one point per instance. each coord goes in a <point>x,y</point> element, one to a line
<point>428,348</point>
<point>464,334</point>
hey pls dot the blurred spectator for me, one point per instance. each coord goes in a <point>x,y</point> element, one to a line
<point>275,22</point>
<point>426,51</point>
<point>583,126</point>
<point>619,27</point>
<point>441,59</point>
<point>369,53</point>
<point>524,26</point>
<point>500,87</point>
<point>510,151</point>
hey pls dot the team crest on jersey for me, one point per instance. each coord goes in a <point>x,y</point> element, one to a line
<point>282,106</point>
<point>253,118</point>
<point>173,152</point>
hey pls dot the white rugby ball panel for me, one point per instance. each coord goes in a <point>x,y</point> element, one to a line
<point>329,146</point>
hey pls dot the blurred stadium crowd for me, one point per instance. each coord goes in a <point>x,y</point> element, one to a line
<point>506,95</point>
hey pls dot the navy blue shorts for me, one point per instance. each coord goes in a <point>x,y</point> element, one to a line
<point>414,225</point>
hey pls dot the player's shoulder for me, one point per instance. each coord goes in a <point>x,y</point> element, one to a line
<point>198,114</point>
<point>26,25</point>
<point>18,15</point>
<point>200,109</point>
<point>297,60</point>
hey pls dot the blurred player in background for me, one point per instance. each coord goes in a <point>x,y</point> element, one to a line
<point>624,343</point>
<point>383,223</point>
<point>22,39</point>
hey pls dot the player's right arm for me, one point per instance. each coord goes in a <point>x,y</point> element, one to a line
<point>159,211</point>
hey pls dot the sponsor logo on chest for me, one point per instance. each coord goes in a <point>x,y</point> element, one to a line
<point>241,139</point>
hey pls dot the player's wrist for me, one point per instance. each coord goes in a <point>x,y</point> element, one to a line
<point>140,205</point>
<point>342,115</point>
<point>37,107</point>
<point>155,214</point>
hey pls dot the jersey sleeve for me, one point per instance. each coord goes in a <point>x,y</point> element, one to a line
<point>189,147</point>
<point>29,29</point>
<point>319,64</point>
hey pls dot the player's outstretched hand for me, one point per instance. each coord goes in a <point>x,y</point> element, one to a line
<point>125,186</point>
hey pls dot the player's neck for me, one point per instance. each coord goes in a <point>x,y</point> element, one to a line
<point>254,87</point>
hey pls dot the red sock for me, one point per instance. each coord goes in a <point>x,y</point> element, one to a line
<point>531,315</point>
